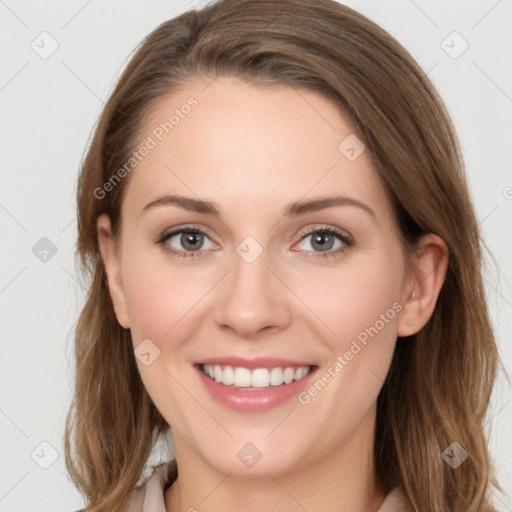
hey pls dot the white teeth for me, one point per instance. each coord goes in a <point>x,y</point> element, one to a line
<point>257,378</point>
<point>260,378</point>
<point>228,376</point>
<point>290,374</point>
<point>242,377</point>
<point>276,377</point>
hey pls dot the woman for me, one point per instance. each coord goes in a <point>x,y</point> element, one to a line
<point>285,272</point>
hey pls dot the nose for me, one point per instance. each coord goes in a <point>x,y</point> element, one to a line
<point>252,299</point>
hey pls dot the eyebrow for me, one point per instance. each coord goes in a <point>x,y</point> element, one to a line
<point>294,209</point>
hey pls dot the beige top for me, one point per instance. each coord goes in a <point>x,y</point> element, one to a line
<point>150,496</point>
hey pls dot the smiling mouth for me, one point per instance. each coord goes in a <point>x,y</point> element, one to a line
<point>257,379</point>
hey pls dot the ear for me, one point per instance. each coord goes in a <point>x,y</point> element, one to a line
<point>421,290</point>
<point>109,254</point>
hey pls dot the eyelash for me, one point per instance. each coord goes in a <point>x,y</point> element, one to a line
<point>343,237</point>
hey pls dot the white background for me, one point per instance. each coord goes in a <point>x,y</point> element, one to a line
<point>48,108</point>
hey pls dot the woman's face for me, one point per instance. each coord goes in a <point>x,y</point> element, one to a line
<point>262,285</point>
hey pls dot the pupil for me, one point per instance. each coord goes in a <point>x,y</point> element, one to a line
<point>191,240</point>
<point>324,246</point>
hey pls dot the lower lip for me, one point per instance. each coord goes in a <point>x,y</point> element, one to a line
<point>253,401</point>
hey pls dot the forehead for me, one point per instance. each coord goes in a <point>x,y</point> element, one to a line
<point>258,147</point>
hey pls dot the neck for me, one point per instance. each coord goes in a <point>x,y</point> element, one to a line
<point>342,481</point>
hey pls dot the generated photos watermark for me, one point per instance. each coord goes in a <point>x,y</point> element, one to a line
<point>151,142</point>
<point>343,360</point>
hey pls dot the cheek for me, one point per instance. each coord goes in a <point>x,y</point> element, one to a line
<point>159,296</point>
<point>163,306</point>
<point>360,305</point>
<point>354,298</point>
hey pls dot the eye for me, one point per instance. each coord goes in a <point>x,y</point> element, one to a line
<point>189,242</point>
<point>186,242</point>
<point>323,240</point>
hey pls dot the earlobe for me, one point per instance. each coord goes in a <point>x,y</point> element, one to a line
<point>422,289</point>
<point>112,268</point>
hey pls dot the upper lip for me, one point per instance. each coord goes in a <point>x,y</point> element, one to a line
<point>259,362</point>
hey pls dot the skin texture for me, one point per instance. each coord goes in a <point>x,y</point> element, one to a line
<point>253,150</point>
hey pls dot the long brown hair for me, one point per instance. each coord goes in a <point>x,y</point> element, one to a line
<point>439,385</point>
